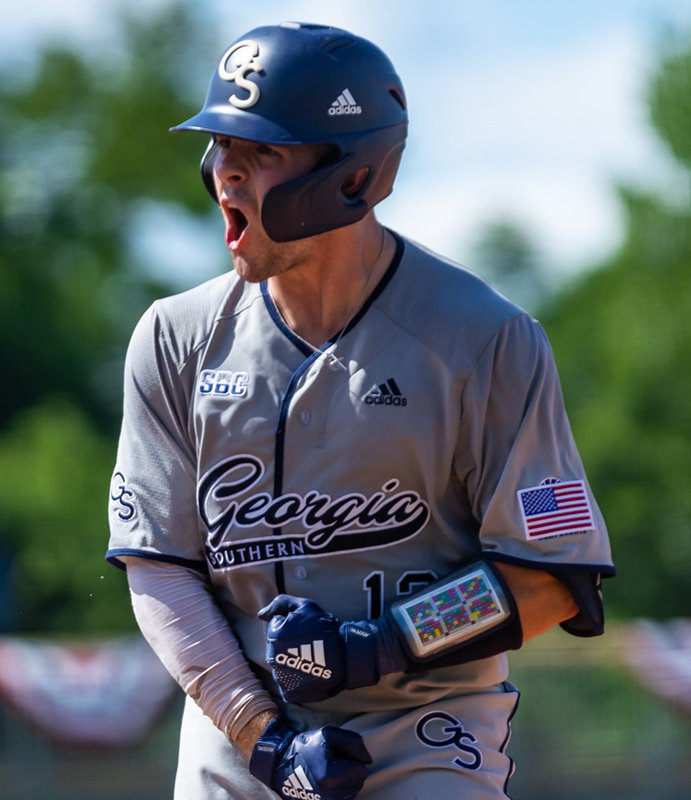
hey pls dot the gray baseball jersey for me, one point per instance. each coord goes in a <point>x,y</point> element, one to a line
<point>430,434</point>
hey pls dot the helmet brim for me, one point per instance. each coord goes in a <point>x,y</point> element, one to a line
<point>240,126</point>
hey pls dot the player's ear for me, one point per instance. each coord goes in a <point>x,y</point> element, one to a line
<point>355,183</point>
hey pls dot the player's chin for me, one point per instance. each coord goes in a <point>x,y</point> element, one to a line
<point>246,267</point>
<point>240,265</point>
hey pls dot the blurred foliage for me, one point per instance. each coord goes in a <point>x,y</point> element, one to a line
<point>506,257</point>
<point>84,147</point>
<point>622,339</point>
<point>56,470</point>
<point>84,143</point>
<point>670,101</point>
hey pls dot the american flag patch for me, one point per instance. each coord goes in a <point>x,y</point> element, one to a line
<point>555,509</point>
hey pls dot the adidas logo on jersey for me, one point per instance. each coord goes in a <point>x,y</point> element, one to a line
<point>345,103</point>
<point>297,784</point>
<point>308,658</point>
<point>386,394</point>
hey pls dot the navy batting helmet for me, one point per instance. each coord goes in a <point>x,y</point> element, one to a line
<point>298,83</point>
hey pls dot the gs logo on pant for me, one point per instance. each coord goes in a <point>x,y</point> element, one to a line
<point>441,729</point>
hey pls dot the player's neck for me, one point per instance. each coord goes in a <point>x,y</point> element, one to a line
<point>318,300</point>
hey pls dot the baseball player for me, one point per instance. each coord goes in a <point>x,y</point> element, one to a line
<point>346,485</point>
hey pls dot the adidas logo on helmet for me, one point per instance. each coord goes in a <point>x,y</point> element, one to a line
<point>345,103</point>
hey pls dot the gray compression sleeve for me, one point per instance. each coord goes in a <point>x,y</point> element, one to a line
<point>181,621</point>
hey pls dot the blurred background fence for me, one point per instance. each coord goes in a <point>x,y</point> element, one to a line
<point>587,727</point>
<point>602,719</point>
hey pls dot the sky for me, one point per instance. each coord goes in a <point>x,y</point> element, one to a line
<point>529,112</point>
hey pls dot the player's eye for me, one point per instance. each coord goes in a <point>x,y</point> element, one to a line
<point>266,150</point>
<point>222,141</point>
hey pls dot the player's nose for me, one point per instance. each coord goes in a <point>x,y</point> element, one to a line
<point>230,164</point>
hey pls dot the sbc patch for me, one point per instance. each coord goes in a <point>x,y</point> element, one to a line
<point>555,509</point>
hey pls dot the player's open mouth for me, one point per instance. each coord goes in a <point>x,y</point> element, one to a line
<point>236,224</point>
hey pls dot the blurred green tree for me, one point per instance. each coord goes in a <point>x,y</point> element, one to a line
<point>622,337</point>
<point>505,256</point>
<point>83,143</point>
<point>84,147</point>
<point>55,469</point>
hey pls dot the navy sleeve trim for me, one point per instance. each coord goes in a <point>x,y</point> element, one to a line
<point>113,557</point>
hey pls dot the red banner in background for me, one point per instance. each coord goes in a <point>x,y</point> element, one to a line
<point>113,693</point>
<point>101,694</point>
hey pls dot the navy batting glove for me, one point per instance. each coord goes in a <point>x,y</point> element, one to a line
<point>327,763</point>
<point>313,655</point>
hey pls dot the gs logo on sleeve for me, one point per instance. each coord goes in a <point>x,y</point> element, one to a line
<point>122,498</point>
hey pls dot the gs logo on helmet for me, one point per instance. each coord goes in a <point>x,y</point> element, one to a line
<point>243,56</point>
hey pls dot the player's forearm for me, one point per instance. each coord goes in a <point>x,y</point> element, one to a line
<point>250,733</point>
<point>479,611</point>
<point>180,620</point>
<point>543,601</point>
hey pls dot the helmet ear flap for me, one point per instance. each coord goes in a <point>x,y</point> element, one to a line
<point>355,185</point>
<point>288,210</point>
<point>207,167</point>
<point>316,202</point>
